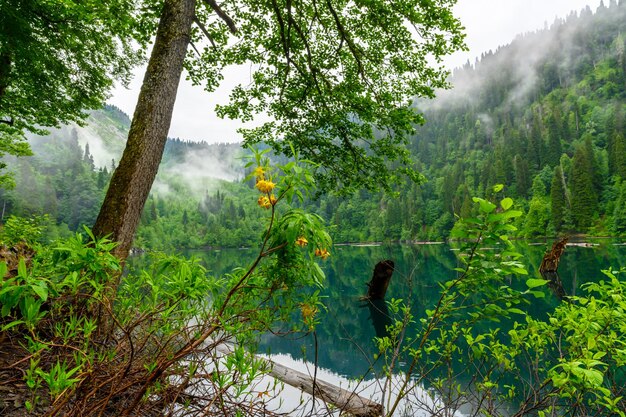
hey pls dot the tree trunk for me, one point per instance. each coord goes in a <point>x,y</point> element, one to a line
<point>132,180</point>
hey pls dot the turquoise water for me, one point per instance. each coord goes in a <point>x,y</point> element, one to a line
<point>348,326</point>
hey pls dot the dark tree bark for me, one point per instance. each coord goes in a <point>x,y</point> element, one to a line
<point>550,262</point>
<point>132,180</point>
<point>549,266</point>
<point>380,280</point>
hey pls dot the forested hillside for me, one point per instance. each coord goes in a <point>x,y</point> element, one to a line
<point>545,115</point>
<point>197,199</point>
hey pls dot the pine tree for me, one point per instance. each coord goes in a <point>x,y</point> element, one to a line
<point>584,198</point>
<point>558,200</point>
<point>596,173</point>
<point>554,149</point>
<point>619,215</point>
<point>88,158</point>
<point>522,176</point>
<point>618,156</point>
<point>534,148</point>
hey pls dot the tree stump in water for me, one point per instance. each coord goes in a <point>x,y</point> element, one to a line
<point>380,280</point>
<point>551,259</point>
<point>549,266</point>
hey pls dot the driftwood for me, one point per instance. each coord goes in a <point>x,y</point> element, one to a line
<point>377,287</point>
<point>549,266</point>
<point>348,402</point>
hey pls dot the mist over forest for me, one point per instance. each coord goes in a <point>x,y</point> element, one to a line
<point>543,115</point>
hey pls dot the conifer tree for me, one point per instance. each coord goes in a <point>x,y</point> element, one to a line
<point>619,215</point>
<point>618,156</point>
<point>558,201</point>
<point>584,197</point>
<point>554,148</point>
<point>522,176</point>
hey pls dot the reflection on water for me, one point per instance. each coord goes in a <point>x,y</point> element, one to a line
<point>349,325</point>
<point>379,315</point>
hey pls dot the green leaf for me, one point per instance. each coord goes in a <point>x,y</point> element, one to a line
<point>591,342</point>
<point>535,282</point>
<point>498,187</point>
<point>11,324</point>
<point>41,290</point>
<point>506,203</point>
<point>594,376</point>
<point>21,268</point>
<point>485,206</point>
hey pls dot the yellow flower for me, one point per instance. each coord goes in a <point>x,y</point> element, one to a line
<point>259,172</point>
<point>322,253</point>
<point>264,202</point>
<point>308,311</point>
<point>301,241</point>
<point>273,199</point>
<point>265,186</point>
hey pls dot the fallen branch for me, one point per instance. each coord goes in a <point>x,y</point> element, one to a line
<point>346,401</point>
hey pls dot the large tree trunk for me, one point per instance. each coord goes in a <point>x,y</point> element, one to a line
<point>132,180</point>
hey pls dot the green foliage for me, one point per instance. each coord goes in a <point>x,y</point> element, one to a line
<point>558,201</point>
<point>591,370</point>
<point>463,150</point>
<point>169,319</point>
<point>322,72</point>
<point>57,60</point>
<point>18,229</point>
<point>536,222</point>
<point>619,215</point>
<point>570,362</point>
<point>584,198</point>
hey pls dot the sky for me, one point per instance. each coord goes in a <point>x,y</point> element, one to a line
<point>488,24</point>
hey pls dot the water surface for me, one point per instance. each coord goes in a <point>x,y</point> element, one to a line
<point>348,326</point>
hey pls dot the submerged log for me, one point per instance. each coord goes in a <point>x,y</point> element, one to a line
<point>348,402</point>
<point>377,287</point>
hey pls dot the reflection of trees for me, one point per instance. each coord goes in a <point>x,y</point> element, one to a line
<point>347,329</point>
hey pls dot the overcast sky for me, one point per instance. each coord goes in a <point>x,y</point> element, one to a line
<point>488,23</point>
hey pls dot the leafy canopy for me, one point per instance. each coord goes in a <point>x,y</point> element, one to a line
<point>336,77</point>
<point>57,59</point>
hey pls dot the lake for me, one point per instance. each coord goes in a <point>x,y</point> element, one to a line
<point>348,326</point>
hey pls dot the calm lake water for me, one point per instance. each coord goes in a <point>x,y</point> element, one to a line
<point>345,335</point>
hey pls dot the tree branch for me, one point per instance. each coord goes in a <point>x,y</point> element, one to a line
<point>345,35</point>
<point>217,9</point>
<point>204,30</point>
